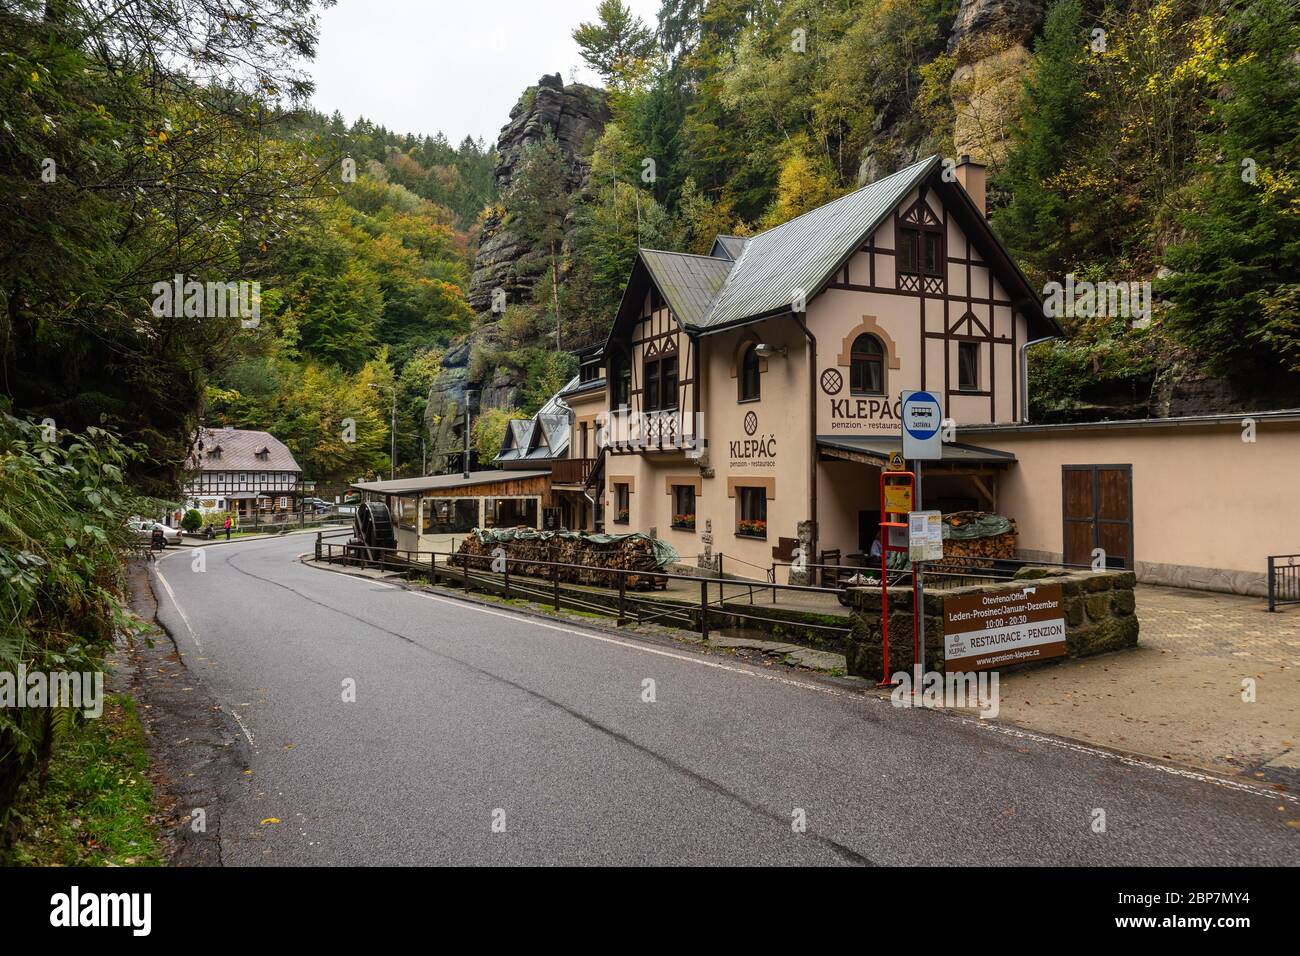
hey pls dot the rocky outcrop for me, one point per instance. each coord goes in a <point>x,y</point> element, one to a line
<point>1016,20</point>
<point>986,100</point>
<point>576,116</point>
<point>990,40</point>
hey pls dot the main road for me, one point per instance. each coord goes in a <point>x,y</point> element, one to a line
<point>391,726</point>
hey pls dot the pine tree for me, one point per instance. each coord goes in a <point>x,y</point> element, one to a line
<point>1035,223</point>
<point>1235,294</point>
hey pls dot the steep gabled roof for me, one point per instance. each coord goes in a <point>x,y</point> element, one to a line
<point>797,257</point>
<point>550,435</point>
<point>518,435</point>
<point>239,449</point>
<point>749,279</point>
<point>728,247</point>
<point>688,282</point>
<point>542,437</point>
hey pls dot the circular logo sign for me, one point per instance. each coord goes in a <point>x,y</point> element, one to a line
<point>832,381</point>
<point>921,415</point>
<point>751,423</point>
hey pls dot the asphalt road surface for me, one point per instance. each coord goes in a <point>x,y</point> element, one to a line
<point>480,736</point>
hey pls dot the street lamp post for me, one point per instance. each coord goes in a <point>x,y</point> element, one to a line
<point>392,431</point>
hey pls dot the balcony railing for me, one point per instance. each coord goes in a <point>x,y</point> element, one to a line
<point>571,471</point>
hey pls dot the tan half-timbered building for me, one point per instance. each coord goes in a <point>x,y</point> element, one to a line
<point>754,392</point>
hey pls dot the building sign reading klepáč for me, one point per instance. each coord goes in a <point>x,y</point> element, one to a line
<point>756,451</point>
<point>865,414</point>
<point>995,629</point>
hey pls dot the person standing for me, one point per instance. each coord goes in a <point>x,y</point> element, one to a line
<point>229,524</point>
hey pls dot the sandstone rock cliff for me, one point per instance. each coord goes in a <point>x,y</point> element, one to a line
<point>575,115</point>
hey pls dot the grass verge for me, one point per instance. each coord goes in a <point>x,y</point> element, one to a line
<point>97,805</point>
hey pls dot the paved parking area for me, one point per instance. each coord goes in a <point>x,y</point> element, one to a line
<point>1219,625</point>
<point>1214,682</point>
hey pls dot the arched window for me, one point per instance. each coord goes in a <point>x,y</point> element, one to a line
<point>867,366</point>
<point>750,383</point>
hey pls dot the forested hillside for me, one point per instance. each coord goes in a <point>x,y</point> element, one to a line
<point>1147,140</point>
<point>144,146</point>
<point>361,303</point>
<point>1143,140</point>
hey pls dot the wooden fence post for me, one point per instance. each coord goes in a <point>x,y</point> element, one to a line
<point>704,608</point>
<point>555,579</point>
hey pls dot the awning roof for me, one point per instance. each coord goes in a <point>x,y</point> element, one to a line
<point>413,486</point>
<point>878,448</point>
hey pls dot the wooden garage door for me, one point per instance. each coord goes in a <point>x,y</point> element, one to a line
<point>1097,511</point>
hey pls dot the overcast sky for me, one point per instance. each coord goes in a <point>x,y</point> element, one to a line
<point>420,66</point>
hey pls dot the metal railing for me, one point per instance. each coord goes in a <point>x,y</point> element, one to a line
<point>534,578</point>
<point>1283,580</point>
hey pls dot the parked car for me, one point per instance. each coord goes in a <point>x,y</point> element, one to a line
<point>315,505</point>
<point>144,529</point>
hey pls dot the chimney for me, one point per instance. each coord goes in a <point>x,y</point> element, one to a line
<point>972,177</point>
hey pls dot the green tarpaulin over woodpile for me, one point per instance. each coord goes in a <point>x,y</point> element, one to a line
<point>964,525</point>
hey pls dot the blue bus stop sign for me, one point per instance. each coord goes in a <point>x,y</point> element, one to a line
<point>922,424</point>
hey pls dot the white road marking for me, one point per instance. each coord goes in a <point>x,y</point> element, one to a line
<point>1132,761</point>
<point>247,733</point>
<point>1126,759</point>
<point>631,645</point>
<point>177,604</point>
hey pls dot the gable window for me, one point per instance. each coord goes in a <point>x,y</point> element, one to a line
<point>919,246</point>
<point>750,384</point>
<point>920,250</point>
<point>622,502</point>
<point>867,366</point>
<point>968,366</point>
<point>620,380</point>
<point>908,241</point>
<point>751,505</point>
<point>684,507</point>
<point>650,389</point>
<point>660,389</point>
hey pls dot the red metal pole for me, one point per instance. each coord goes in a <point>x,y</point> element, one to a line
<point>885,548</point>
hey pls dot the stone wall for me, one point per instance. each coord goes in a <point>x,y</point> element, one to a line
<point>1100,616</point>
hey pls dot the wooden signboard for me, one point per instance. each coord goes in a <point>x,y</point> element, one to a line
<point>995,629</point>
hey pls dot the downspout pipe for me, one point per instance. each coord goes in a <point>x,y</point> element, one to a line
<point>812,435</point>
<point>1024,375</point>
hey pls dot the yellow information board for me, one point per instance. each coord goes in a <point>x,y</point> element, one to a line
<point>898,498</point>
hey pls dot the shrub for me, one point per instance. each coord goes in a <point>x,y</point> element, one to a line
<point>64,505</point>
<point>192,521</point>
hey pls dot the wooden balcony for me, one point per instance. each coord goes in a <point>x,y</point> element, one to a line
<point>571,471</point>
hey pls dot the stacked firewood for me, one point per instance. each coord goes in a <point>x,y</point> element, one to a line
<point>975,552</point>
<point>587,561</point>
